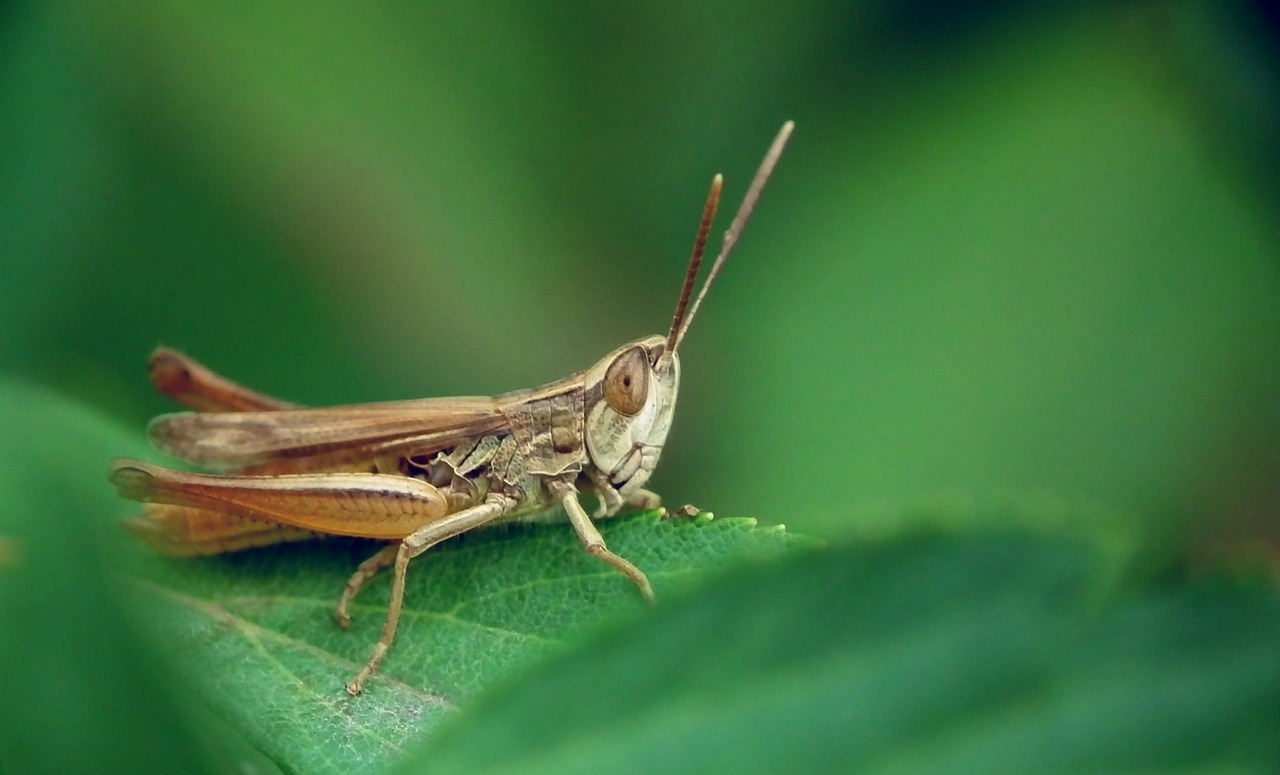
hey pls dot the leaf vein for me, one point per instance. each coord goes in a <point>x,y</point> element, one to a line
<point>256,634</point>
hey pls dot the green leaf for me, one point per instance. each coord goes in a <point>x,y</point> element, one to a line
<point>983,653</point>
<point>255,631</point>
<point>82,691</point>
<point>252,635</point>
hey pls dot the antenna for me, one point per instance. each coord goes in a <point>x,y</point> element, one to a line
<point>680,325</point>
<point>695,262</point>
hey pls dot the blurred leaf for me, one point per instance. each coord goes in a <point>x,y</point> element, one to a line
<point>983,653</point>
<point>81,692</point>
<point>255,631</point>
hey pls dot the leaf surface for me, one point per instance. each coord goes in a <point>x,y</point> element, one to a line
<point>992,652</point>
<point>255,631</point>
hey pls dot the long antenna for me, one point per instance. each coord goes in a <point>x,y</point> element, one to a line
<point>695,262</point>
<point>730,236</point>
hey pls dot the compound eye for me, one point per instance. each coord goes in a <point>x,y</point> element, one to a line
<point>626,383</point>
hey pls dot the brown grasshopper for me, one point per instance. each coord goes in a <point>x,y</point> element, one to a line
<point>416,473</point>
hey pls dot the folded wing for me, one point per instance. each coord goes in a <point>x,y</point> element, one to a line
<point>236,440</point>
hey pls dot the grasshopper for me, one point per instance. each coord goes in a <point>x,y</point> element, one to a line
<point>415,473</point>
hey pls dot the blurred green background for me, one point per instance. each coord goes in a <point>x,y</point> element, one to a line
<point>1014,256</point>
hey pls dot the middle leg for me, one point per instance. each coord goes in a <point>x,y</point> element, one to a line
<point>412,546</point>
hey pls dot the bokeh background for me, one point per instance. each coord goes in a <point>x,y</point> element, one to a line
<point>1019,259</point>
